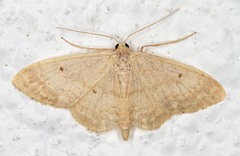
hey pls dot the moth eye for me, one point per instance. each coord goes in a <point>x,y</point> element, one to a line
<point>126,45</point>
<point>116,46</point>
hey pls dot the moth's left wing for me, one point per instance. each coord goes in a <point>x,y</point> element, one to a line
<point>62,81</point>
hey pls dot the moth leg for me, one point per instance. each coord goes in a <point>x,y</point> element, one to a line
<point>154,45</point>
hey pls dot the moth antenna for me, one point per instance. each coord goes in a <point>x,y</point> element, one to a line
<point>101,49</point>
<point>151,24</point>
<point>88,33</point>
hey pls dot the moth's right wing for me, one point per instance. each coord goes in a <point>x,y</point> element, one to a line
<point>62,81</point>
<point>160,88</point>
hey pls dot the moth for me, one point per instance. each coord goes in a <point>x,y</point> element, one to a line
<point>119,88</point>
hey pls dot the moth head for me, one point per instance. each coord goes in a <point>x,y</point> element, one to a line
<point>121,45</point>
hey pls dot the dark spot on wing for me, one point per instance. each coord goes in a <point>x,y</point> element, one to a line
<point>61,68</point>
<point>94,91</point>
<point>179,75</point>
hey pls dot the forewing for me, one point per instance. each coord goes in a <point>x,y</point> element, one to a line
<point>169,88</point>
<point>98,108</point>
<point>62,81</point>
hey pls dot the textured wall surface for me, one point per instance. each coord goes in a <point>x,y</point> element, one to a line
<point>28,34</point>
